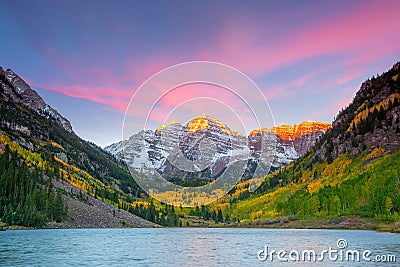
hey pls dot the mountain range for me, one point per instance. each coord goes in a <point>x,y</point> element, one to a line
<point>161,148</point>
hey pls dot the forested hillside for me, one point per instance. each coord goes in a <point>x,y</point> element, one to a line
<point>27,194</point>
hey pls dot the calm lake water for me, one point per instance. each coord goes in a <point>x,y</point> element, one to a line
<point>189,247</point>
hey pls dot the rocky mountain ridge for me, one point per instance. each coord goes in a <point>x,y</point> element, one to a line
<point>290,133</point>
<point>20,92</point>
<point>372,120</point>
<point>290,143</point>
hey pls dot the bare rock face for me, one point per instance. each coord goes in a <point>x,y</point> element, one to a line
<point>299,136</point>
<point>205,146</point>
<point>20,92</point>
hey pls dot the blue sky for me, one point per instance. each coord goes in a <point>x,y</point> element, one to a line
<point>87,58</point>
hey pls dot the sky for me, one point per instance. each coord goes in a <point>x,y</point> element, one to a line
<point>87,59</point>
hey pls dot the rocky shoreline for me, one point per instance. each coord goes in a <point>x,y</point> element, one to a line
<point>340,223</point>
<point>85,211</point>
<point>345,223</point>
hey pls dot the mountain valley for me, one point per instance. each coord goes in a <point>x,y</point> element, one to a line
<point>319,171</point>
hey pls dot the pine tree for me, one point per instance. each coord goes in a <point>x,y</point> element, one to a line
<point>220,217</point>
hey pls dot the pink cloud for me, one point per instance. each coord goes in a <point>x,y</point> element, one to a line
<point>303,79</point>
<point>196,99</point>
<point>190,91</point>
<point>116,99</point>
<point>368,30</point>
<point>349,75</point>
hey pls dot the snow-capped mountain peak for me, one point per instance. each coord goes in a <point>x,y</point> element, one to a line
<point>171,144</point>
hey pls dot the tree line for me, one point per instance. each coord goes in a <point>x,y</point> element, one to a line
<point>164,215</point>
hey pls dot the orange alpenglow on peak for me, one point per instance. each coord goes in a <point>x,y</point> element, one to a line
<point>198,123</point>
<point>203,122</point>
<point>289,132</point>
<point>159,128</point>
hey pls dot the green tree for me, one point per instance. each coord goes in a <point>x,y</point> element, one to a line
<point>388,206</point>
<point>336,205</point>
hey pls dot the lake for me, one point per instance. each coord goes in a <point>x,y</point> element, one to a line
<point>197,247</point>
